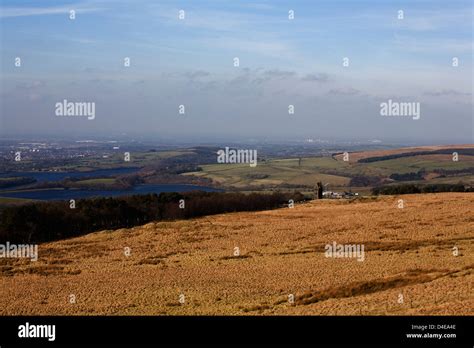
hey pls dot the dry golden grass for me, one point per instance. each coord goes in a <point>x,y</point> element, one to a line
<point>408,252</point>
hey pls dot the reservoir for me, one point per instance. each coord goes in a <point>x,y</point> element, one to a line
<point>67,194</point>
<point>62,194</point>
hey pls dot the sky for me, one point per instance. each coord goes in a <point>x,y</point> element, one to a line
<point>282,62</point>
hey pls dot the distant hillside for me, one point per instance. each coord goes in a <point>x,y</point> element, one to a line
<point>372,156</point>
<point>359,171</point>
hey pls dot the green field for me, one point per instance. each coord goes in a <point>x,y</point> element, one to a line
<point>276,172</point>
<point>102,181</point>
<point>337,173</point>
<point>116,160</point>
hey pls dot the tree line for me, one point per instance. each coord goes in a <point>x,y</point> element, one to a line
<point>49,221</point>
<point>411,188</point>
<point>462,151</point>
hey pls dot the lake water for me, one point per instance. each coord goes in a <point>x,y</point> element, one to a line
<point>61,194</point>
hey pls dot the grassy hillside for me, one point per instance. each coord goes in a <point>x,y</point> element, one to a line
<point>277,172</point>
<point>337,173</point>
<point>408,252</point>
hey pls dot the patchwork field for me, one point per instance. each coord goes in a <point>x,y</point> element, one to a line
<point>356,156</point>
<point>434,167</point>
<point>193,268</point>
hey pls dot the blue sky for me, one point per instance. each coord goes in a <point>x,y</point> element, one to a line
<point>282,62</point>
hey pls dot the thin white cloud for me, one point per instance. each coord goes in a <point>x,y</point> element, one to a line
<point>209,20</point>
<point>41,11</point>
<point>259,6</point>
<point>216,20</point>
<point>412,44</point>
<point>431,20</point>
<point>260,46</point>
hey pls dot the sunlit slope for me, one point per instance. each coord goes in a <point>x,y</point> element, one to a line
<point>409,266</point>
<point>337,171</point>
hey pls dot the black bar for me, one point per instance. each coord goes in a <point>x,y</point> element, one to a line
<point>290,331</point>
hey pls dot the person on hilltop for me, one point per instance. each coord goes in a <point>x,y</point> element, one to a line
<point>319,192</point>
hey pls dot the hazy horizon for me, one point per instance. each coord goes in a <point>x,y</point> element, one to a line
<point>282,62</point>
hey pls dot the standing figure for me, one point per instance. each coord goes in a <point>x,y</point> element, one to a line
<point>320,190</point>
